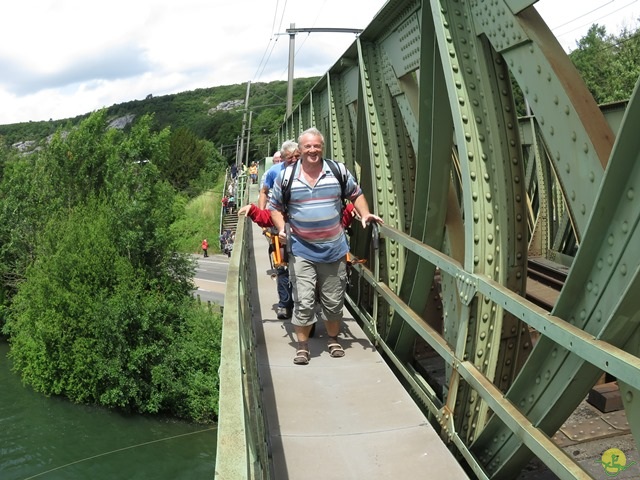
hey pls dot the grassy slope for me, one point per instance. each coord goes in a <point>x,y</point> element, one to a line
<point>201,220</point>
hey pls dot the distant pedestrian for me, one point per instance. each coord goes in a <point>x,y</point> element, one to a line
<point>205,247</point>
<point>234,171</point>
<point>228,246</point>
<point>253,173</point>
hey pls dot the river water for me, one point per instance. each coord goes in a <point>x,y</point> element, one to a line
<point>51,438</point>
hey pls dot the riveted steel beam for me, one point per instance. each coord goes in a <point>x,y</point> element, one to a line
<point>378,119</point>
<point>421,108</point>
<point>578,136</point>
<point>493,201</point>
<point>432,141</point>
<point>599,298</point>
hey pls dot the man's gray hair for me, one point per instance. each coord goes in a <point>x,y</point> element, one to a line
<point>312,131</point>
<point>288,146</point>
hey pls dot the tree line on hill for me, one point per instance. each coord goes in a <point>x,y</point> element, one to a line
<point>195,111</point>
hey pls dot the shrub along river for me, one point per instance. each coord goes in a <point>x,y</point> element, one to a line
<point>52,438</point>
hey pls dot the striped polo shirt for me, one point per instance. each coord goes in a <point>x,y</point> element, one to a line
<point>315,214</point>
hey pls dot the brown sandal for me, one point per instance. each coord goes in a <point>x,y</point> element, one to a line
<point>302,357</point>
<point>302,354</point>
<point>335,349</point>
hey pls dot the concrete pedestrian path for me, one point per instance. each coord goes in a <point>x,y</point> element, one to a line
<point>336,418</point>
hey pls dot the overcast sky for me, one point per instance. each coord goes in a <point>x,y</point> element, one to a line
<point>62,58</point>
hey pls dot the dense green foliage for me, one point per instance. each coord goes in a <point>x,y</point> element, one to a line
<point>98,303</point>
<point>609,64</point>
<point>192,164</point>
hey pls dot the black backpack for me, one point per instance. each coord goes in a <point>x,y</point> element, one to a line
<point>339,171</point>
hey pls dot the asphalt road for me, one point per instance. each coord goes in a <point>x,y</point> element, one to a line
<point>211,278</point>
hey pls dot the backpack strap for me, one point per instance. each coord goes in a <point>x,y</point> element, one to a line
<point>287,179</point>
<point>340,172</point>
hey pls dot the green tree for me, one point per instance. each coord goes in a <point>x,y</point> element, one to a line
<point>103,312</point>
<point>628,63</point>
<point>29,200</point>
<point>89,325</point>
<point>187,158</point>
<point>609,64</point>
<point>592,59</point>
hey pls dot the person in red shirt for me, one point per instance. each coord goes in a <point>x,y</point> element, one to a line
<point>205,247</point>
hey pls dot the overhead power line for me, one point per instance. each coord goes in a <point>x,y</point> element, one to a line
<point>594,21</point>
<point>583,15</point>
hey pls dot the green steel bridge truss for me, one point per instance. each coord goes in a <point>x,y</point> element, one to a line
<point>422,108</point>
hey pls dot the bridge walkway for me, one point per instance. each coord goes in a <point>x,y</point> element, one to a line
<point>336,418</point>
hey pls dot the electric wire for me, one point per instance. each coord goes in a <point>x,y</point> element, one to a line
<point>301,45</point>
<point>583,15</point>
<point>118,450</point>
<point>610,46</point>
<point>284,9</point>
<point>313,24</point>
<point>275,15</point>
<point>272,43</point>
<point>593,21</point>
<point>264,64</point>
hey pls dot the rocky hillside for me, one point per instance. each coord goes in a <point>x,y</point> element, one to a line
<point>213,114</point>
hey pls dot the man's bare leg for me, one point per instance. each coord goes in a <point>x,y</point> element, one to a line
<point>302,333</point>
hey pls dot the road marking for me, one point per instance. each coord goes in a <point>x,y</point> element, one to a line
<point>210,285</point>
<point>208,262</point>
<point>210,281</point>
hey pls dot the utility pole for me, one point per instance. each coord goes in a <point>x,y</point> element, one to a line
<point>292,49</point>
<point>237,151</point>
<point>246,162</point>
<point>292,31</point>
<point>244,126</point>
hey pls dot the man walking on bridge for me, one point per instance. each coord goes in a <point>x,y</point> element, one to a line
<point>312,206</point>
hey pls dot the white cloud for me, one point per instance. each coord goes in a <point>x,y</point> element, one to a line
<point>62,58</point>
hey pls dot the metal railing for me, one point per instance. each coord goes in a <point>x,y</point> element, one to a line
<point>242,449</point>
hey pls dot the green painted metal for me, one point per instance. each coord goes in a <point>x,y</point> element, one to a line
<point>580,141</point>
<point>421,108</point>
<point>242,448</point>
<point>627,147</point>
<point>600,297</point>
<point>491,172</point>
